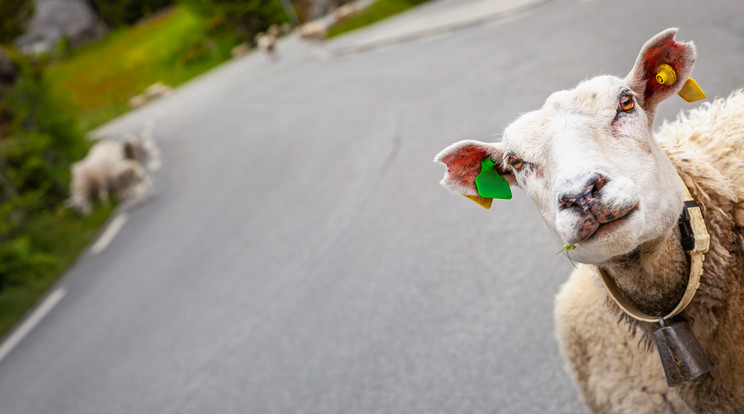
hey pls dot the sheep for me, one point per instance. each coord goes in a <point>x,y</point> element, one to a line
<point>343,12</point>
<point>276,30</point>
<point>154,91</point>
<point>313,32</point>
<point>110,166</point>
<point>136,101</point>
<point>609,189</point>
<point>266,42</point>
<point>134,149</point>
<point>157,90</point>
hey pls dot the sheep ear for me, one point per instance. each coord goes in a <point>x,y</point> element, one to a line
<point>660,50</point>
<point>463,160</point>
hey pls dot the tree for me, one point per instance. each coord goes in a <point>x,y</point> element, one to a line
<point>126,12</point>
<point>14,15</point>
<point>245,17</point>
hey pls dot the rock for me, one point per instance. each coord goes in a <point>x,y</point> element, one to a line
<point>54,20</point>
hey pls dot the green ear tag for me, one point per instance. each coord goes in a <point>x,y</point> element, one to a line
<point>489,183</point>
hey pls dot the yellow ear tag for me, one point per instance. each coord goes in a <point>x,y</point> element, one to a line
<point>481,201</point>
<point>690,92</point>
<point>665,75</point>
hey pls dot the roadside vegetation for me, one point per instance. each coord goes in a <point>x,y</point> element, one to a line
<point>377,11</point>
<point>171,48</point>
<point>39,138</point>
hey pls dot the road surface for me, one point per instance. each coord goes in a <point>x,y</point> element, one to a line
<point>301,256</point>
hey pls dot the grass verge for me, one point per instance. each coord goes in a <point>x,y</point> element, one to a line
<point>377,11</point>
<point>62,235</point>
<point>172,48</point>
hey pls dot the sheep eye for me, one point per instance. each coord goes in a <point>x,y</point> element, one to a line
<point>516,163</point>
<point>626,103</point>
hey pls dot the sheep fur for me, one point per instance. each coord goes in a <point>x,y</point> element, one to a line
<point>110,166</point>
<point>610,356</point>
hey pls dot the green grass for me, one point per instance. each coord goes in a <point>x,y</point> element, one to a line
<point>63,235</point>
<point>377,11</point>
<point>101,77</point>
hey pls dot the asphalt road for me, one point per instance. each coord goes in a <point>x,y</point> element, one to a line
<point>301,256</point>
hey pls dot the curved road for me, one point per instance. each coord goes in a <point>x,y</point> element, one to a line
<point>301,256</point>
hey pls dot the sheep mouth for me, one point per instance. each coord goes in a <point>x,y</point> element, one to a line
<point>591,227</point>
<point>606,228</point>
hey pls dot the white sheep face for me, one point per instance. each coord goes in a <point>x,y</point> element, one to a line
<point>589,161</point>
<point>588,158</point>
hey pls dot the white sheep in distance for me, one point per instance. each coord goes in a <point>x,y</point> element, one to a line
<point>110,166</point>
<point>266,42</point>
<point>154,91</point>
<point>313,32</point>
<point>604,184</point>
<point>343,12</point>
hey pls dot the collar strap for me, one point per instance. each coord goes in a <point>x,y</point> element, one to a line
<point>695,240</point>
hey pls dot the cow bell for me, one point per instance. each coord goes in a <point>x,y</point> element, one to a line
<point>681,355</point>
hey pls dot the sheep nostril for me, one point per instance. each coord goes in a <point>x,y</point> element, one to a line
<point>566,201</point>
<point>586,192</point>
<point>599,184</point>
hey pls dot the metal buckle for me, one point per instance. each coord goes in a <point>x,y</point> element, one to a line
<point>687,236</point>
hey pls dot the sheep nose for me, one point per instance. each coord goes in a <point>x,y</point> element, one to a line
<point>581,191</point>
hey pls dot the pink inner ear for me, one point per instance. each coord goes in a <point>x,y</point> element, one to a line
<point>464,165</point>
<point>671,53</point>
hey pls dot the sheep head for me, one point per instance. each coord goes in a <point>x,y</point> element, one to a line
<point>588,157</point>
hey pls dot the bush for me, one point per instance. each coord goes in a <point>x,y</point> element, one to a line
<point>246,18</point>
<point>41,141</point>
<point>19,263</point>
<point>116,13</point>
<point>13,17</point>
<point>35,107</point>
